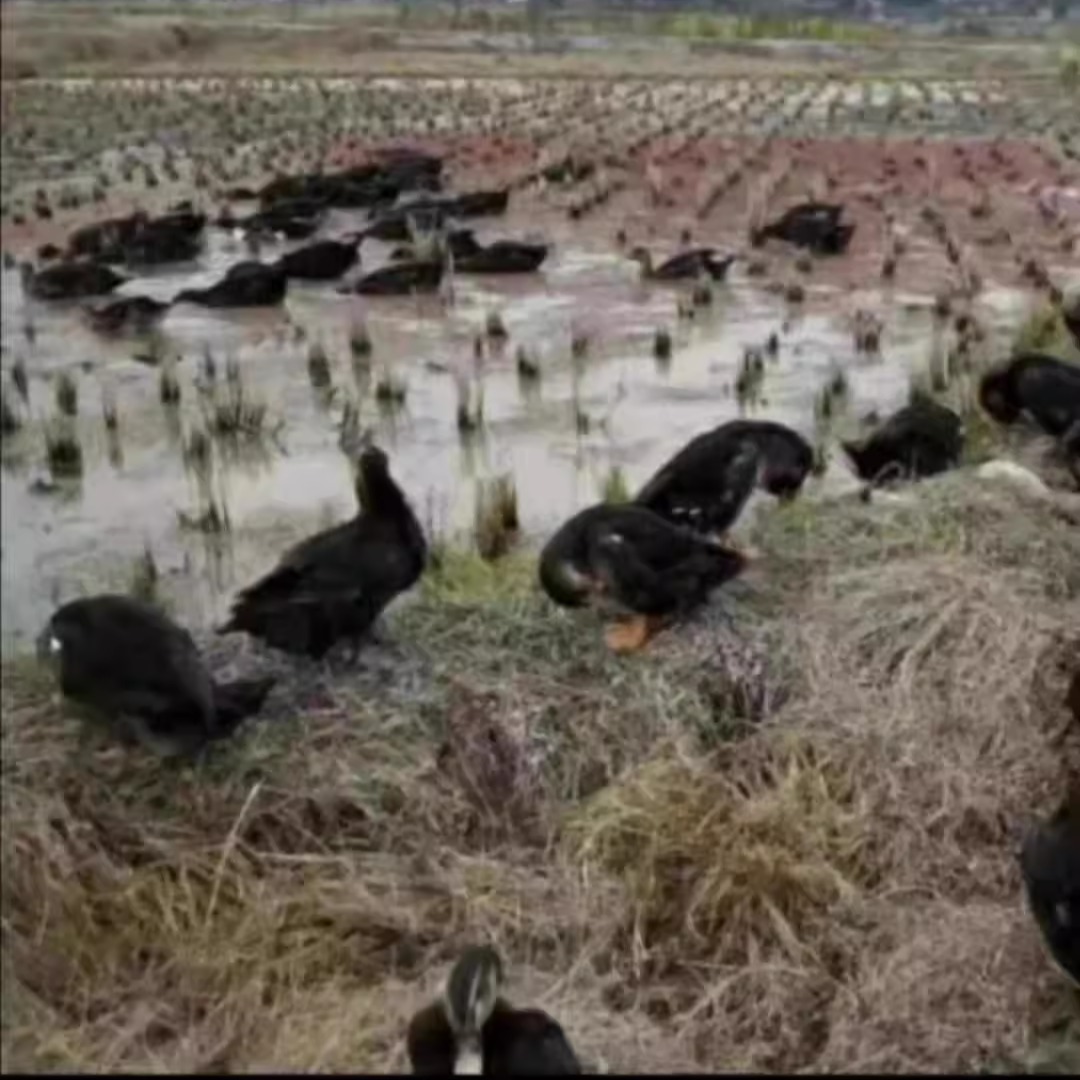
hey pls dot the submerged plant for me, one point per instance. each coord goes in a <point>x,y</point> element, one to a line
<point>20,380</point>
<point>144,577</point>
<point>495,328</point>
<point>318,366</point>
<point>67,394</point>
<point>63,448</point>
<point>10,418</point>
<point>662,343</point>
<point>169,386</point>
<point>496,525</point>
<point>615,488</point>
<point>470,406</point>
<point>390,391</point>
<point>109,411</point>
<point>359,341</point>
<point>528,367</point>
<point>751,377</point>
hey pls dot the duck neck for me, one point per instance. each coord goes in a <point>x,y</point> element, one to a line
<point>380,495</point>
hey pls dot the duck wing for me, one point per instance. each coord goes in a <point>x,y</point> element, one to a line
<point>528,1042</point>
<point>707,483</point>
<point>656,568</point>
<point>307,573</point>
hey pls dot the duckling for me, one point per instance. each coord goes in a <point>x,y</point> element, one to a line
<point>921,439</point>
<point>473,1031</point>
<point>335,584</point>
<point>686,264</point>
<point>1047,388</point>
<point>140,675</point>
<point>1050,865</point>
<point>630,560</point>
<point>707,483</point>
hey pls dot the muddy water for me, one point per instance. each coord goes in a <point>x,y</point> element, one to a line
<point>81,536</point>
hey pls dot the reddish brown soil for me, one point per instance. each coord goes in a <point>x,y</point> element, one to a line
<point>986,192</point>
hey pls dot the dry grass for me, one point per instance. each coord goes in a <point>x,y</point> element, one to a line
<point>781,839</point>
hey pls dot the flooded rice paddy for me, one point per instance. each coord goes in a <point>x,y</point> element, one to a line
<point>560,435</point>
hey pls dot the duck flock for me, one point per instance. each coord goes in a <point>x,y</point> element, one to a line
<point>644,564</point>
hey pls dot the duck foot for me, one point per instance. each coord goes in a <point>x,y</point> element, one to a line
<point>632,634</point>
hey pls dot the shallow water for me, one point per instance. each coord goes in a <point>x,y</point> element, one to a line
<point>63,540</point>
<point>58,544</point>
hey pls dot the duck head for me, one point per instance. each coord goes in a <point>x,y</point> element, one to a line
<point>372,468</point>
<point>861,458</point>
<point>997,398</point>
<point>643,257</point>
<point>784,483</point>
<point>469,997</point>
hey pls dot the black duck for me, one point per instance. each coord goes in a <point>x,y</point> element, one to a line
<point>1046,388</point>
<point>630,560</point>
<point>921,439</point>
<point>175,238</point>
<point>246,284</point>
<point>501,257</point>
<point>141,675</point>
<point>706,484</point>
<point>126,312</point>
<point>812,225</point>
<point>399,278</point>
<point>335,584</point>
<point>686,264</point>
<point>103,239</point>
<point>1050,865</point>
<point>478,203</point>
<point>73,280</point>
<point>398,223</point>
<point>322,260</point>
<point>473,1031</point>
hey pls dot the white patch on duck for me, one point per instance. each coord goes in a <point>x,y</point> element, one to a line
<point>469,1062</point>
<point>55,645</point>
